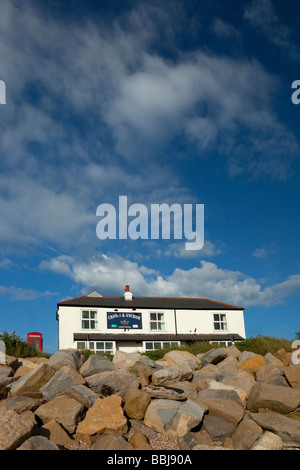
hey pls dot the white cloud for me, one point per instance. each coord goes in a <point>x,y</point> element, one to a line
<point>109,275</point>
<point>178,250</point>
<point>19,293</point>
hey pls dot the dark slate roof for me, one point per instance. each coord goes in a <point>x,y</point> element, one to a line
<point>155,337</point>
<point>148,302</point>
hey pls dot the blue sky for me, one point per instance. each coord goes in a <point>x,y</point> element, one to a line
<point>164,102</point>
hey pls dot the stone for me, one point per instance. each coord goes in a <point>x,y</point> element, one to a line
<point>246,434</point>
<point>14,429</point>
<point>169,393</point>
<point>29,385</point>
<point>275,397</point>
<point>55,433</point>
<point>104,417</point>
<point>38,443</point>
<point>225,404</point>
<point>63,409</point>
<point>188,441</point>
<point>112,382</point>
<point>5,372</point>
<point>122,359</point>
<point>66,357</point>
<point>233,351</point>
<point>217,428</point>
<point>63,379</point>
<point>206,447</point>
<point>287,429</point>
<point>83,394</point>
<point>176,357</point>
<point>253,363</point>
<point>173,417</point>
<point>139,441</point>
<point>171,374</point>
<point>292,374</point>
<point>136,403</point>
<point>272,375</point>
<point>214,356</point>
<point>112,442</point>
<point>190,389</point>
<point>275,361</point>
<point>241,380</point>
<point>20,404</point>
<point>96,364</point>
<point>268,441</point>
<point>214,385</point>
<point>284,356</point>
<point>207,372</point>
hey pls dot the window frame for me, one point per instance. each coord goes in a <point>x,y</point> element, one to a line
<point>89,320</point>
<point>159,322</point>
<point>90,346</point>
<point>223,323</point>
<point>161,343</point>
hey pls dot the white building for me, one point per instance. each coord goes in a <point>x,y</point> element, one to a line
<point>128,323</point>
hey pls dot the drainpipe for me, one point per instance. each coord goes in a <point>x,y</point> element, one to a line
<point>175,321</point>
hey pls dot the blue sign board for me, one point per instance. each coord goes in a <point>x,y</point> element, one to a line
<point>132,320</point>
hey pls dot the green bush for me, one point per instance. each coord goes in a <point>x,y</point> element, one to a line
<point>263,344</point>
<point>15,346</point>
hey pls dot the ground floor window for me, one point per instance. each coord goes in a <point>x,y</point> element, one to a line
<point>222,343</point>
<point>153,345</point>
<point>97,347</point>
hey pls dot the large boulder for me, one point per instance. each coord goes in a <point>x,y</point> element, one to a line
<point>104,417</point>
<point>96,364</point>
<point>14,429</point>
<point>253,363</point>
<point>217,428</point>
<point>286,428</point>
<point>173,417</point>
<point>214,356</point>
<point>225,404</point>
<point>29,384</point>
<point>38,443</point>
<point>66,357</point>
<point>274,397</point>
<point>268,441</point>
<point>112,382</point>
<point>136,403</point>
<point>271,374</point>
<point>292,374</point>
<point>63,379</point>
<point>63,409</point>
<point>176,357</point>
<point>246,434</point>
<point>171,374</point>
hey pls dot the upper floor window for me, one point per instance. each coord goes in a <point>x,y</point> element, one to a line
<point>220,322</point>
<point>157,321</point>
<point>89,320</point>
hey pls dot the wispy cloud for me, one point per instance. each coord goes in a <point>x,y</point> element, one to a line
<point>21,294</point>
<point>109,274</point>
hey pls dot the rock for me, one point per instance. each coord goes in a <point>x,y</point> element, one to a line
<point>56,433</point>
<point>63,409</point>
<point>253,363</point>
<point>176,357</point>
<point>225,404</point>
<point>83,394</point>
<point>246,434</point>
<point>12,362</point>
<point>112,442</point>
<point>292,373</point>
<point>139,441</point>
<point>173,417</point>
<point>66,357</point>
<point>275,361</point>
<point>29,385</point>
<point>169,393</point>
<point>112,382</point>
<point>122,359</point>
<point>287,429</point>
<point>241,380</point>
<point>20,404</point>
<point>233,351</point>
<point>214,356</point>
<point>274,397</point>
<point>5,372</point>
<point>268,441</point>
<point>38,443</point>
<point>206,447</point>
<point>63,379</point>
<point>214,385</point>
<point>207,372</point>
<point>217,428</point>
<point>14,429</point>
<point>188,441</point>
<point>104,417</point>
<point>284,356</point>
<point>136,403</point>
<point>171,374</point>
<point>272,375</point>
<point>190,389</point>
<point>96,364</point>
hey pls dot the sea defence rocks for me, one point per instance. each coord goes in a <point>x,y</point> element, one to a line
<point>221,400</point>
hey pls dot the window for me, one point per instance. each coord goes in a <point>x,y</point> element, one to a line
<point>222,343</point>
<point>157,322</point>
<point>97,347</point>
<point>153,345</point>
<point>220,322</point>
<point>89,320</point>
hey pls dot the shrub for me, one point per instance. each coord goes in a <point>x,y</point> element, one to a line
<point>15,346</point>
<point>263,344</point>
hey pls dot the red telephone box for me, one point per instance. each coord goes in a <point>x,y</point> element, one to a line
<point>35,340</point>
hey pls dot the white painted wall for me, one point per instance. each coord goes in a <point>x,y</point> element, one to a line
<point>186,320</point>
